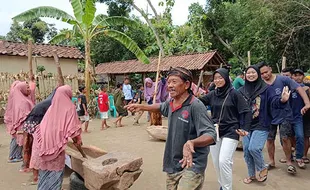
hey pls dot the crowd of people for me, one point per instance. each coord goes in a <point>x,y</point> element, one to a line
<point>40,132</point>
<point>252,107</point>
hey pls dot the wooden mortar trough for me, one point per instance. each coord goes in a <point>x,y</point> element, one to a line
<point>102,170</point>
<point>158,132</point>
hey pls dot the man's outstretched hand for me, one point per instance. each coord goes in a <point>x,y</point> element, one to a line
<point>133,107</point>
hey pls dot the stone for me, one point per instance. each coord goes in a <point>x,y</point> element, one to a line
<point>158,132</point>
<point>114,170</point>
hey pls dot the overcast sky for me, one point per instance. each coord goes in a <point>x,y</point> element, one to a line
<point>14,7</point>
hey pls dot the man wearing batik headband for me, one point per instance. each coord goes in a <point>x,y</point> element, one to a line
<point>190,132</point>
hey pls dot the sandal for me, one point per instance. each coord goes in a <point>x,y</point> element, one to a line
<point>291,169</point>
<point>283,160</point>
<point>270,167</point>
<point>301,163</point>
<point>248,180</point>
<point>263,178</point>
<point>34,183</point>
<point>306,160</point>
<point>15,160</point>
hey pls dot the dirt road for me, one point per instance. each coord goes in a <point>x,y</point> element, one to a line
<point>134,139</point>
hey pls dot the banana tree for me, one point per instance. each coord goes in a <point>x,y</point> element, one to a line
<point>87,26</point>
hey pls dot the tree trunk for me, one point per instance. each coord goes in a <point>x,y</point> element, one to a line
<point>87,68</point>
<point>31,75</point>
<point>158,20</point>
<point>152,27</point>
<point>230,49</point>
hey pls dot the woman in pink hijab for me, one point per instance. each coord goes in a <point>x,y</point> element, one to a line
<point>18,107</point>
<point>60,123</point>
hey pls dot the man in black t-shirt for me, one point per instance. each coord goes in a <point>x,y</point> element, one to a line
<point>82,108</point>
<point>190,132</point>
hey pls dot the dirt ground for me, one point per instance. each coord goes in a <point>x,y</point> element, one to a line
<point>135,140</point>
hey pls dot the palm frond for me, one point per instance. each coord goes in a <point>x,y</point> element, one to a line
<point>64,35</point>
<point>45,11</point>
<point>77,9</point>
<point>127,42</point>
<point>121,21</point>
<point>99,18</point>
<point>89,13</point>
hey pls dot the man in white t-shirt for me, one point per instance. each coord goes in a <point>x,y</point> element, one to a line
<point>127,90</point>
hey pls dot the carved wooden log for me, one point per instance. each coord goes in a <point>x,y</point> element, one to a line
<point>158,132</point>
<point>102,170</point>
<point>113,171</point>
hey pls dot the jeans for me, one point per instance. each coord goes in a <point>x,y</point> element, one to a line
<point>222,156</point>
<point>253,145</point>
<point>299,134</point>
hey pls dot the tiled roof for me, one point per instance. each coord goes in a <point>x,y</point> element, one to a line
<point>196,61</point>
<point>43,50</point>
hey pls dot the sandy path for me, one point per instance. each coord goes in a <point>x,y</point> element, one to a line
<point>135,140</point>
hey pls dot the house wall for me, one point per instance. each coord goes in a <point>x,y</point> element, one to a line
<point>14,64</point>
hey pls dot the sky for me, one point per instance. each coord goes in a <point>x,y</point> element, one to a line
<point>14,7</point>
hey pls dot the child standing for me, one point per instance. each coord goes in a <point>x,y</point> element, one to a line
<point>138,100</point>
<point>103,104</point>
<point>82,108</point>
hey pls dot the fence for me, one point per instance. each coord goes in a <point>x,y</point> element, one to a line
<point>45,84</point>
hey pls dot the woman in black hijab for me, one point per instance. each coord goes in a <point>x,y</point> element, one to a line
<point>259,99</point>
<point>227,106</point>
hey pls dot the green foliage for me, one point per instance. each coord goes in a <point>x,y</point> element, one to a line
<point>85,28</point>
<point>34,29</point>
<point>269,29</point>
<point>18,33</point>
<point>118,7</point>
<point>40,69</point>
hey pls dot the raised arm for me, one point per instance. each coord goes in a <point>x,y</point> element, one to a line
<point>206,99</point>
<point>61,81</point>
<point>143,107</point>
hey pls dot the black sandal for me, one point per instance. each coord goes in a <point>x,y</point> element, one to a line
<point>270,167</point>
<point>291,169</point>
<point>306,160</point>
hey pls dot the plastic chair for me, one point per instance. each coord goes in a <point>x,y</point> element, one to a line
<point>112,111</point>
<point>74,100</point>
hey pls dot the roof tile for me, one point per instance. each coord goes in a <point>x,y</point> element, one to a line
<point>191,61</point>
<point>44,50</point>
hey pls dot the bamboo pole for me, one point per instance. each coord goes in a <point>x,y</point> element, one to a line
<point>283,62</point>
<point>156,117</point>
<point>249,58</point>
<point>199,81</point>
<point>157,76</point>
<point>108,76</point>
<point>31,76</point>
